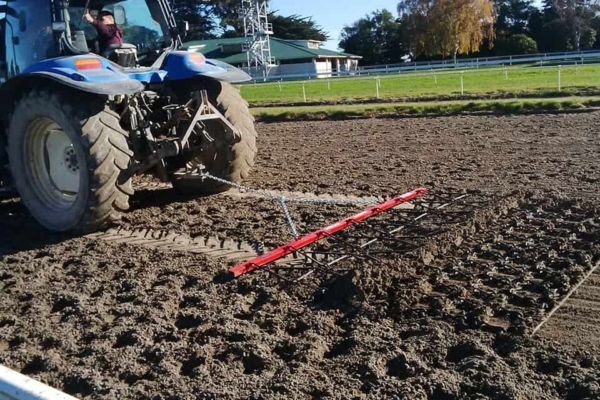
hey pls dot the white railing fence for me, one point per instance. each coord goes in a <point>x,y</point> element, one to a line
<point>544,59</point>
<point>449,81</point>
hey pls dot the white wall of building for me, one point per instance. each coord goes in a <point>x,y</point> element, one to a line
<point>293,69</point>
<point>323,68</point>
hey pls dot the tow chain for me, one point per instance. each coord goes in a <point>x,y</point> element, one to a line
<point>283,200</point>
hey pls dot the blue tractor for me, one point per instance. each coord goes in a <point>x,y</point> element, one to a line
<point>79,124</point>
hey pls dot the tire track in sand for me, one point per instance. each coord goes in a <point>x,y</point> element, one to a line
<point>213,246</point>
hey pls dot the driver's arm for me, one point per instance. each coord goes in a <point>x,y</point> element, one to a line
<point>103,29</point>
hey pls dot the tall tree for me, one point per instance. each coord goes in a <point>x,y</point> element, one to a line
<point>448,27</point>
<point>222,18</point>
<point>556,36</point>
<point>201,17</point>
<point>376,37</point>
<point>535,25</point>
<point>513,16</point>
<point>296,27</point>
<point>228,12</point>
<point>573,18</point>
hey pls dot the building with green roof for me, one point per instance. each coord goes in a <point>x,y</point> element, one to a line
<point>292,58</point>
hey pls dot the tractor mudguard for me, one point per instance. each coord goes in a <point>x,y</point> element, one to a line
<point>88,73</point>
<point>182,65</point>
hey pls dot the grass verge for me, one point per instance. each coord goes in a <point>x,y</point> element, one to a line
<point>273,114</point>
<point>484,84</point>
<point>536,94</point>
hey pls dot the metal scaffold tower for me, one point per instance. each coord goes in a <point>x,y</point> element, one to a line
<point>257,30</point>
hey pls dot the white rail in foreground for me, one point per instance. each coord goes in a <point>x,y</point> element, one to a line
<point>14,386</point>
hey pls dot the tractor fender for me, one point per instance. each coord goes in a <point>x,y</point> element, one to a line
<point>12,90</point>
<point>182,65</point>
<point>88,73</point>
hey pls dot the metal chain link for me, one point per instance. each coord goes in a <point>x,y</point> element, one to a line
<point>288,199</point>
<point>288,217</point>
<point>284,200</point>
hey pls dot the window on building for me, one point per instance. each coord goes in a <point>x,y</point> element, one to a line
<point>232,48</point>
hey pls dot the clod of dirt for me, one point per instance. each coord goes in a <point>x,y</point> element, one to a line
<point>463,350</point>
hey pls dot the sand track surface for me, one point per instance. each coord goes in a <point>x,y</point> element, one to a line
<point>139,311</point>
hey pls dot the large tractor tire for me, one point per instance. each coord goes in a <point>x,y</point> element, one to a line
<point>228,161</point>
<point>66,151</point>
<point>4,173</point>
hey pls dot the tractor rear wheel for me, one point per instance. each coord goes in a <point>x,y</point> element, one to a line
<point>229,161</point>
<point>66,151</point>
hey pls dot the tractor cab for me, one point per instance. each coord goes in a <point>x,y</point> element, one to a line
<point>145,31</point>
<point>36,30</point>
<point>144,26</point>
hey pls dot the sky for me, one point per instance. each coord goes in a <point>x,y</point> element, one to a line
<point>332,15</point>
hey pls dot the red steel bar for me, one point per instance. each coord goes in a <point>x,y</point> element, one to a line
<point>304,241</point>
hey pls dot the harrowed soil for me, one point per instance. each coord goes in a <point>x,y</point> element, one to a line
<point>451,320</point>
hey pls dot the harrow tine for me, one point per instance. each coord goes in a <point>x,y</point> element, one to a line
<point>306,275</point>
<point>400,228</point>
<point>287,280</point>
<point>360,248</point>
<point>390,237</point>
<point>323,266</point>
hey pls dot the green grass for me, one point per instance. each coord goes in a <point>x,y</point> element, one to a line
<point>521,82</point>
<point>423,108</point>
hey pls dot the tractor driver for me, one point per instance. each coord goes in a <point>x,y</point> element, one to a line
<point>109,32</point>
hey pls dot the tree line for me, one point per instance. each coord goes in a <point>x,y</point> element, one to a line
<point>436,29</point>
<point>424,29</point>
<point>211,19</point>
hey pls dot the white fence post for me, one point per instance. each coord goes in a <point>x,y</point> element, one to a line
<point>559,83</point>
<point>462,83</point>
<point>304,91</point>
<point>377,87</point>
